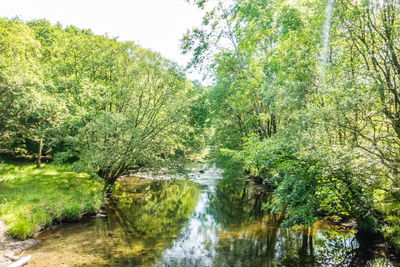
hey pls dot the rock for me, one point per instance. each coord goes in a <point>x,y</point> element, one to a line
<point>20,262</point>
<point>9,247</point>
<point>11,256</point>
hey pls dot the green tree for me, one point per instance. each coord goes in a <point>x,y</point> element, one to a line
<point>20,78</point>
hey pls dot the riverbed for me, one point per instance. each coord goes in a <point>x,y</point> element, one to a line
<point>205,219</point>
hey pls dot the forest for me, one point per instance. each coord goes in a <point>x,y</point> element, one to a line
<point>304,96</point>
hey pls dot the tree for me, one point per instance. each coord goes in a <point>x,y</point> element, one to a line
<point>20,77</point>
<point>286,96</point>
<point>143,123</point>
<point>372,66</point>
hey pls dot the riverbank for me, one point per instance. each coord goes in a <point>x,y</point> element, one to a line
<point>27,191</point>
<point>12,249</point>
<point>389,209</point>
<point>205,220</point>
<point>32,199</point>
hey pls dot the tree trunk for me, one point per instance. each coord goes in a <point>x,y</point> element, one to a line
<point>39,157</point>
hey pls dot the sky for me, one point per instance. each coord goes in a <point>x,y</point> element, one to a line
<point>155,24</point>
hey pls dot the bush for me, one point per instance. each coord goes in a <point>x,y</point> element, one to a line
<point>312,183</point>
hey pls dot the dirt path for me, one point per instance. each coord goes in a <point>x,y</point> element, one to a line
<point>11,249</point>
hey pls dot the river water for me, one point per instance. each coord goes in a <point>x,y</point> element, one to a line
<point>206,220</point>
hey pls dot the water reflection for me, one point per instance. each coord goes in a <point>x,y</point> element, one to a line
<point>229,228</point>
<point>152,209</point>
<point>143,218</point>
<point>209,221</point>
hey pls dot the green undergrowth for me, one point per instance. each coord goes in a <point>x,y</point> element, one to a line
<point>31,198</point>
<point>390,210</point>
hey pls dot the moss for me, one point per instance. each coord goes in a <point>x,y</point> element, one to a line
<point>31,199</point>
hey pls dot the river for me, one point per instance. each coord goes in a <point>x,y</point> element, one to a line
<point>205,220</point>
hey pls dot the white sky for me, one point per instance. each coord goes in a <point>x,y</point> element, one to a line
<point>155,24</point>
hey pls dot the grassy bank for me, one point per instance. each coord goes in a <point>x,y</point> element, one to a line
<point>31,198</point>
<point>390,210</point>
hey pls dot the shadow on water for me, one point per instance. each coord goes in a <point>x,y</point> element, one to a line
<point>207,220</point>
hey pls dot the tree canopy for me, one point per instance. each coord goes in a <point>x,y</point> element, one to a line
<point>306,96</point>
<point>105,105</point>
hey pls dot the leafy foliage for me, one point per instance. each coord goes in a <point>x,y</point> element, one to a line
<point>106,105</point>
<point>306,97</point>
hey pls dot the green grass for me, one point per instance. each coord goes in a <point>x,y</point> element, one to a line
<point>31,198</point>
<point>390,209</point>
